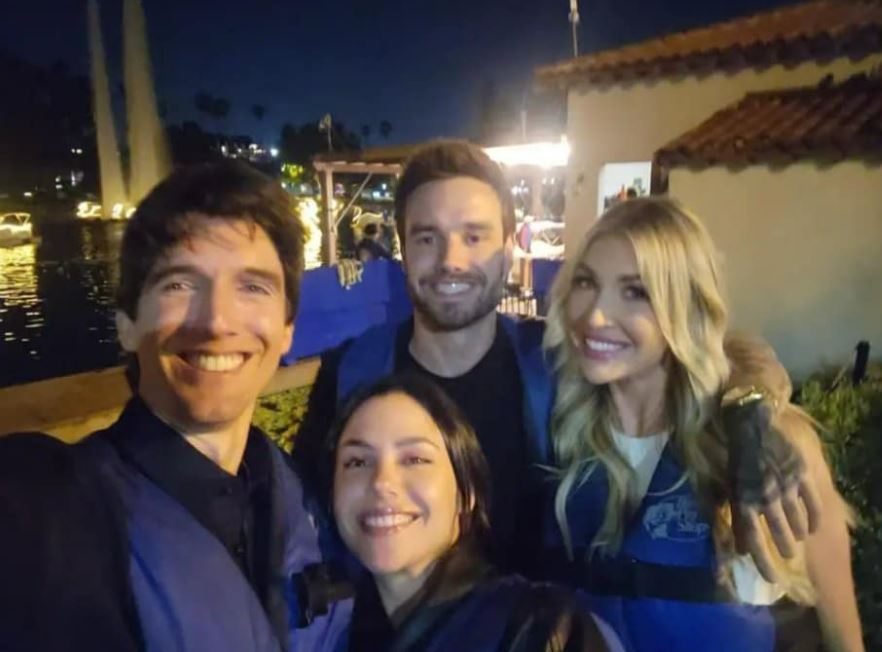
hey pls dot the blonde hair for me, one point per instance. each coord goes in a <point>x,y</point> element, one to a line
<point>678,266</point>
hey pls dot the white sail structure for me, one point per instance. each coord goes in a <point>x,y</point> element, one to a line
<point>149,159</point>
<point>112,186</point>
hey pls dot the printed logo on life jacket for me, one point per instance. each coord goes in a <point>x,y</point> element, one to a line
<point>675,519</point>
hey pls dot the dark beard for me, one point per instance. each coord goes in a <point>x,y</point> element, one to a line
<point>447,318</point>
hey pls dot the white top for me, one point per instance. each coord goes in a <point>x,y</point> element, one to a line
<point>643,454</point>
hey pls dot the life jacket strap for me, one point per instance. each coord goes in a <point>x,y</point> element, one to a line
<point>634,578</point>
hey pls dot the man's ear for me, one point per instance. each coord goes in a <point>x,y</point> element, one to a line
<point>126,332</point>
<point>289,336</point>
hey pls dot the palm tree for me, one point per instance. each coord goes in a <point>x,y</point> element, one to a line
<point>204,103</point>
<point>366,132</point>
<point>258,110</point>
<point>385,129</point>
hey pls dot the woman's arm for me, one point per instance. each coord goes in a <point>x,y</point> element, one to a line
<point>827,550</point>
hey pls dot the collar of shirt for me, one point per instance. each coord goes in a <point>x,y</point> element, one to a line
<point>404,358</point>
<point>456,574</point>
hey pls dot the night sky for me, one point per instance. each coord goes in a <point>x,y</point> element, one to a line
<point>421,64</point>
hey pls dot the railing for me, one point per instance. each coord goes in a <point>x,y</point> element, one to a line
<point>71,407</point>
<point>518,300</point>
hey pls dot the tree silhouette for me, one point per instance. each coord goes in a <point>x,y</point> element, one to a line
<point>217,108</point>
<point>47,113</point>
<point>221,108</point>
<point>204,103</point>
<point>385,129</point>
<point>365,133</point>
<point>258,111</point>
<point>300,144</point>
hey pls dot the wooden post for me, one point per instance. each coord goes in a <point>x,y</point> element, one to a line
<point>329,237</point>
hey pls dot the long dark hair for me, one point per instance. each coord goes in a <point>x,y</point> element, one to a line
<point>469,465</point>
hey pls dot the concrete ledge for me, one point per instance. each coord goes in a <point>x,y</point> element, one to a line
<point>71,407</point>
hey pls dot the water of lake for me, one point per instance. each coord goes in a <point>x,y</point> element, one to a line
<point>56,302</point>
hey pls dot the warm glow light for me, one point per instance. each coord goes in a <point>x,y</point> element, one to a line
<point>88,209</point>
<point>308,211</point>
<point>544,155</point>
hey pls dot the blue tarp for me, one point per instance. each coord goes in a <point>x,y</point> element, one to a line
<point>330,314</point>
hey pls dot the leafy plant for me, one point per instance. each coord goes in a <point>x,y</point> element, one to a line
<point>851,420</point>
<point>279,415</point>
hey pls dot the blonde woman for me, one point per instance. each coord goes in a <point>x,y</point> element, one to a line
<point>643,524</point>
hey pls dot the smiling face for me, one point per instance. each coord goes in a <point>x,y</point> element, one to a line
<point>395,495</point>
<point>211,326</point>
<point>456,255</point>
<point>609,316</point>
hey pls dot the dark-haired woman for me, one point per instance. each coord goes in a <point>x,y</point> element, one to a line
<point>409,493</point>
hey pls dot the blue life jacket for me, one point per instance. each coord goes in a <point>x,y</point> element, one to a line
<point>660,592</point>
<point>189,593</point>
<point>371,356</point>
<point>495,615</point>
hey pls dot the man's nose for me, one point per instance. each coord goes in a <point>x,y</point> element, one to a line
<point>455,254</point>
<point>217,310</point>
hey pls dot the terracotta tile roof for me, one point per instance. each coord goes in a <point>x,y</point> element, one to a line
<point>819,30</point>
<point>826,122</point>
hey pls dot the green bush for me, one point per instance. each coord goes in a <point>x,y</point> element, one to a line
<point>279,415</point>
<point>851,420</point>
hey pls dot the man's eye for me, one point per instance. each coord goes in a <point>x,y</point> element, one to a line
<point>257,288</point>
<point>175,286</point>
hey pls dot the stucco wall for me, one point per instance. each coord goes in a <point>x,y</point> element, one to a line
<point>802,254</point>
<point>629,123</point>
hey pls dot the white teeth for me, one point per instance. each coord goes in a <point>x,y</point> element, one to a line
<point>388,520</point>
<point>451,288</point>
<point>596,345</point>
<point>225,362</point>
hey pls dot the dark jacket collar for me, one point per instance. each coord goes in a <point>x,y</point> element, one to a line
<point>454,577</point>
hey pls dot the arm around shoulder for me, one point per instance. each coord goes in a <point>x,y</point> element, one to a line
<point>320,412</point>
<point>828,550</point>
<point>63,558</point>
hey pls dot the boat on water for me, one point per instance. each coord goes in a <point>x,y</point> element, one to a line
<point>16,229</point>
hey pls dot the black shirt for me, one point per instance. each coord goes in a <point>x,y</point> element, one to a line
<point>491,397</point>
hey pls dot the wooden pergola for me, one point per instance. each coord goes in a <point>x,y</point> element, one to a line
<point>527,159</point>
<point>369,162</point>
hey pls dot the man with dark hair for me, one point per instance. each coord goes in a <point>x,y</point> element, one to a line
<point>180,527</point>
<point>455,218</point>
